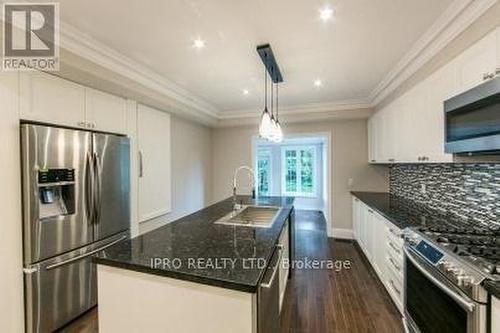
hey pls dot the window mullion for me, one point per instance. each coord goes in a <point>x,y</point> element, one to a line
<point>299,170</point>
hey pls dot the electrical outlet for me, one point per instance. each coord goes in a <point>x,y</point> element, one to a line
<point>423,188</point>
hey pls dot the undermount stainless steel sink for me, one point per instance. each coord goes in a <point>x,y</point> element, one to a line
<point>251,216</point>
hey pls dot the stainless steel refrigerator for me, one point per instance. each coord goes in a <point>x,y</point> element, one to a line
<point>76,188</point>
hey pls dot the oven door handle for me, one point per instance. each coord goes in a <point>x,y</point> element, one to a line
<point>463,302</point>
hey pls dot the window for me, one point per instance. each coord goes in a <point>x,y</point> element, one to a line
<point>264,171</point>
<point>299,175</point>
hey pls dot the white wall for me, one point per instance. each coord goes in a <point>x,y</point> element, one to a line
<point>191,171</point>
<point>232,147</point>
<point>11,273</point>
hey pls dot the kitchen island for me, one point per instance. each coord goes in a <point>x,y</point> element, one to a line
<point>196,275</point>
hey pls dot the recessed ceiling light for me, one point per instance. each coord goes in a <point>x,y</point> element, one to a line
<point>198,43</point>
<point>245,92</point>
<point>326,14</point>
<point>318,83</point>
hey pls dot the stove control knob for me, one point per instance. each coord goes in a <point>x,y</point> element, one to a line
<point>464,281</point>
<point>411,239</point>
<point>444,264</point>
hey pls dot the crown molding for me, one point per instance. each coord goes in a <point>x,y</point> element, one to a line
<point>453,21</point>
<point>353,104</point>
<point>457,17</point>
<point>301,117</point>
<point>84,46</point>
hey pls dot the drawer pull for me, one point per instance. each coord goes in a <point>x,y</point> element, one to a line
<point>396,266</point>
<point>393,285</point>
<point>394,233</point>
<point>398,251</point>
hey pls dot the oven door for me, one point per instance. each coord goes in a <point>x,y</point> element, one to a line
<point>433,304</point>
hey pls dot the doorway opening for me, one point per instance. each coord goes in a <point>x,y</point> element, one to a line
<point>299,167</point>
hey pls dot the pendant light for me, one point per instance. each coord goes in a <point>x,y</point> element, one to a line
<point>265,127</point>
<point>270,128</point>
<point>272,133</point>
<point>279,132</point>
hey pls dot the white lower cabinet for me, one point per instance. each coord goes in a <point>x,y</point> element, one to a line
<point>394,261</point>
<point>495,314</point>
<point>382,244</point>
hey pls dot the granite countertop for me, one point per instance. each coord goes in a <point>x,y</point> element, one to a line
<point>401,212</point>
<point>196,249</point>
<point>404,213</point>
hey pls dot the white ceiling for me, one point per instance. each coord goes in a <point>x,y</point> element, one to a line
<point>351,54</point>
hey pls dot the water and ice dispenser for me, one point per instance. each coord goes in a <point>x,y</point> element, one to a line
<point>56,192</point>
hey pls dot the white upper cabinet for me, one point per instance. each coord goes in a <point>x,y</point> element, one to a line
<point>106,112</point>
<point>479,62</point>
<point>154,149</point>
<point>411,128</point>
<point>49,99</point>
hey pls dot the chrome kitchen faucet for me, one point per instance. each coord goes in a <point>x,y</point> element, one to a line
<point>252,173</point>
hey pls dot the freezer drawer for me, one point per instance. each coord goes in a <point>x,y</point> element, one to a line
<point>60,289</point>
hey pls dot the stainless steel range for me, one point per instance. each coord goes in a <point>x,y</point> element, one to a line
<point>445,267</point>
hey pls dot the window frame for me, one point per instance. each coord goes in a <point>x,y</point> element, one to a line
<point>269,152</point>
<point>299,193</point>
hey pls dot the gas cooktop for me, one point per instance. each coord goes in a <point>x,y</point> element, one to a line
<point>478,246</point>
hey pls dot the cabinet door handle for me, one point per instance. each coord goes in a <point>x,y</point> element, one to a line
<point>394,233</point>
<point>394,287</point>
<point>395,248</point>
<point>396,266</point>
<point>141,170</point>
<point>487,76</point>
<point>275,271</point>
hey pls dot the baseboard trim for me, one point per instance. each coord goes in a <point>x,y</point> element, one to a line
<point>342,233</point>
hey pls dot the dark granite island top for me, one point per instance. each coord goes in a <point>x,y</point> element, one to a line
<point>196,249</point>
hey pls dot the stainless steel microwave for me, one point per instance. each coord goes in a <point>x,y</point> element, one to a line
<point>472,120</point>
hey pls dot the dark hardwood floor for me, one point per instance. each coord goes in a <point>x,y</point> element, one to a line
<point>87,323</point>
<point>320,301</point>
<point>350,300</point>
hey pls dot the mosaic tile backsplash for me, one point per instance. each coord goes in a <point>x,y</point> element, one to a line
<point>467,191</point>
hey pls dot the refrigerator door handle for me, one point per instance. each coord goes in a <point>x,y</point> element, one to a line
<point>83,256</point>
<point>89,188</point>
<point>97,188</point>
<point>141,165</point>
